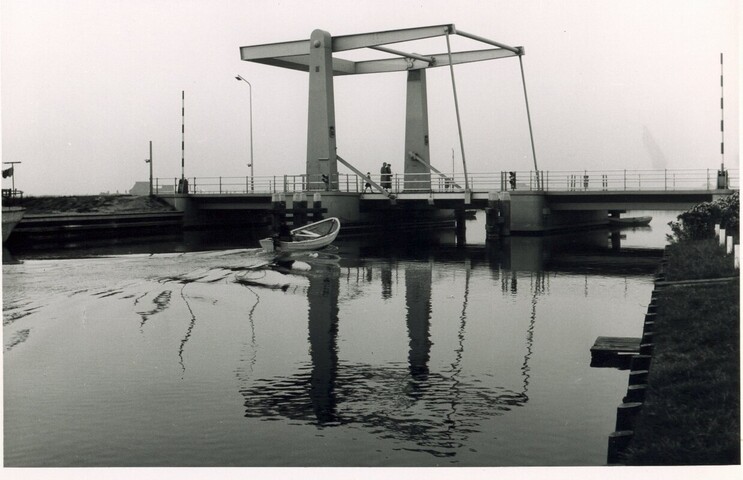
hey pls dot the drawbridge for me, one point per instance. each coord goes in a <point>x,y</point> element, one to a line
<point>532,201</point>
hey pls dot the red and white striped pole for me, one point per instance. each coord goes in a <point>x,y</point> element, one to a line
<point>722,119</point>
<point>722,174</point>
<point>183,134</point>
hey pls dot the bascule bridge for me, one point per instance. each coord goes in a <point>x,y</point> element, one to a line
<point>531,201</point>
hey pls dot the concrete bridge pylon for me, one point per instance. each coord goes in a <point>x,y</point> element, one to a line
<point>321,148</point>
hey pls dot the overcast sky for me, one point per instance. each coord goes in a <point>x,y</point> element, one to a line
<point>619,84</point>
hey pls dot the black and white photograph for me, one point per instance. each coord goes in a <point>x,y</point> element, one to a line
<point>371,239</point>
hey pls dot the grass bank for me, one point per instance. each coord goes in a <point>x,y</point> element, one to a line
<point>691,414</point>
<point>102,204</point>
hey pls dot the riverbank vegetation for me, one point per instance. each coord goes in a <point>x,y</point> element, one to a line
<point>691,414</point>
<point>103,204</point>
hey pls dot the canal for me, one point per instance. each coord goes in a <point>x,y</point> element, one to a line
<point>378,352</point>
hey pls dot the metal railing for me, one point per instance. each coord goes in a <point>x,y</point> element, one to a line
<point>631,180</point>
<point>556,181</point>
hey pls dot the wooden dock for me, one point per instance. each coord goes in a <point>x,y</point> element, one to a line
<point>615,352</point>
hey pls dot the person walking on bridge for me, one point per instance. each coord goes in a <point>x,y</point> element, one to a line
<point>388,176</point>
<point>383,175</point>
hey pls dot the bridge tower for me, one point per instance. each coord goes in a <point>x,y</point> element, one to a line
<point>322,163</point>
<point>416,134</point>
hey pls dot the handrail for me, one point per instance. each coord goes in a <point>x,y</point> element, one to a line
<point>552,181</point>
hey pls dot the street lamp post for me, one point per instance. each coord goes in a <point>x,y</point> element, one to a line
<point>149,160</point>
<point>239,78</point>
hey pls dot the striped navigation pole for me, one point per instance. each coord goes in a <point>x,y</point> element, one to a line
<point>722,175</point>
<point>183,139</point>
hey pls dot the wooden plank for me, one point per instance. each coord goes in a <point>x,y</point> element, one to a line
<point>616,346</point>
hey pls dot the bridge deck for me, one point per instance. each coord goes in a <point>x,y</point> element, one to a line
<point>557,200</point>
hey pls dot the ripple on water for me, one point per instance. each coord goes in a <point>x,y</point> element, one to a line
<point>18,337</point>
<point>432,413</point>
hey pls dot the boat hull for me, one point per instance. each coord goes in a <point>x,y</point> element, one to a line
<point>302,242</point>
<point>11,217</point>
<point>630,221</point>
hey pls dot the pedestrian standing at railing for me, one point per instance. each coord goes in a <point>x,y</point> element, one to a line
<point>383,175</point>
<point>389,176</point>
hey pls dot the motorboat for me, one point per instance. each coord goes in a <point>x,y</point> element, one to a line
<point>313,236</point>
<point>630,221</point>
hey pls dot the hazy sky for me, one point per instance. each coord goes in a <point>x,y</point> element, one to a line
<point>625,84</point>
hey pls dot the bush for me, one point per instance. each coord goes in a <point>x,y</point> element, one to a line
<point>698,259</point>
<point>699,222</point>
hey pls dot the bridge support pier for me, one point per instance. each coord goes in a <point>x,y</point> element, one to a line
<point>498,216</point>
<point>461,226</point>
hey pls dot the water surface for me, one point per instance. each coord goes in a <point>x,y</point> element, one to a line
<point>371,354</point>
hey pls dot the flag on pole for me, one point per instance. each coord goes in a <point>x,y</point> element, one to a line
<point>8,172</point>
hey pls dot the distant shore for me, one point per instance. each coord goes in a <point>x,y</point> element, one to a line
<point>79,221</point>
<point>100,204</point>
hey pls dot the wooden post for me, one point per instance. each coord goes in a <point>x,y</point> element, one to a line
<point>638,377</point>
<point>626,415</point>
<point>618,442</point>
<point>635,393</point>
<point>317,207</point>
<point>279,211</point>
<point>299,209</point>
<point>640,362</point>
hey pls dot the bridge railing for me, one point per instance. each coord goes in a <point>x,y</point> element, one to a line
<point>569,180</point>
<point>629,180</point>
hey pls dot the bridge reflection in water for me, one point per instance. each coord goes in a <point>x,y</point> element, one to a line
<point>426,409</point>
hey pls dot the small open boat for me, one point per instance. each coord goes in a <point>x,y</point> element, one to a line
<point>630,221</point>
<point>313,236</point>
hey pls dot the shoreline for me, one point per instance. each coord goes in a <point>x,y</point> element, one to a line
<point>683,399</point>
